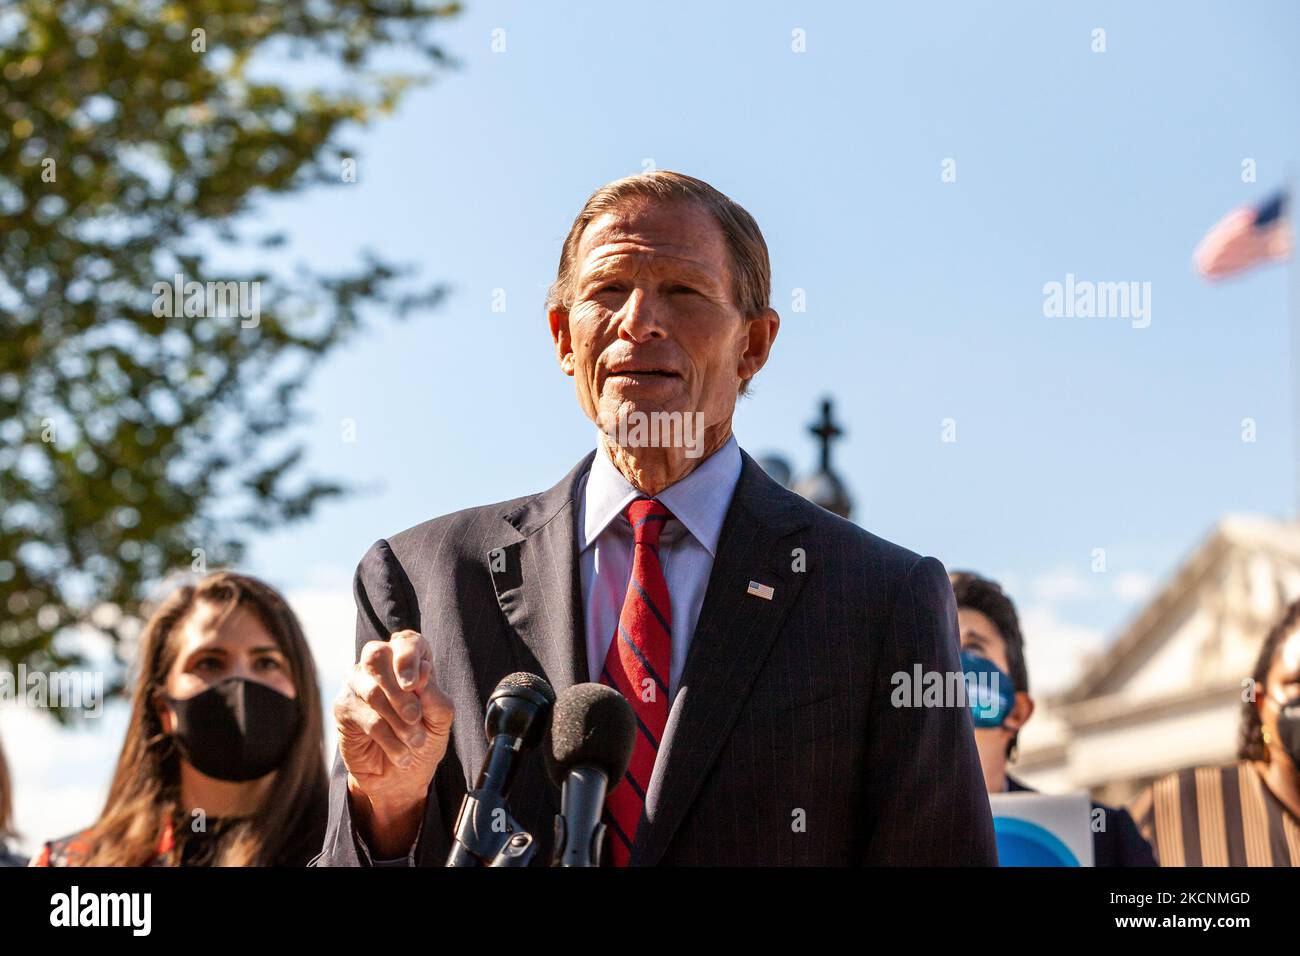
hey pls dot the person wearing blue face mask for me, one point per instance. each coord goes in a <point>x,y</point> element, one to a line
<point>993,658</point>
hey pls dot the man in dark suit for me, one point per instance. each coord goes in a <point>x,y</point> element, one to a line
<point>758,638</point>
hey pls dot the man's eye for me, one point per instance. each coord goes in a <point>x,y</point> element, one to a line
<point>678,289</point>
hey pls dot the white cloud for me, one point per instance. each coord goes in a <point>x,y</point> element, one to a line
<point>1132,586</point>
<point>1072,584</point>
<point>1062,584</point>
<point>1056,650</point>
<point>60,775</point>
<point>328,619</point>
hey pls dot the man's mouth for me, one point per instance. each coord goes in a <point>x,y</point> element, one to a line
<point>642,373</point>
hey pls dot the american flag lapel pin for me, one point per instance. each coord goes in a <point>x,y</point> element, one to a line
<point>760,590</point>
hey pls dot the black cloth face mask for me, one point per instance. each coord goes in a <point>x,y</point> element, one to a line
<point>237,729</point>
<point>1288,728</point>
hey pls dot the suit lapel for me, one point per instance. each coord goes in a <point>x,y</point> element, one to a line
<point>732,638</point>
<point>534,568</point>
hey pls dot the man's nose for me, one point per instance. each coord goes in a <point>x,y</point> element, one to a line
<point>642,317</point>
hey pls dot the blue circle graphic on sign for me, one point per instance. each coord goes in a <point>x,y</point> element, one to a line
<point>1021,843</point>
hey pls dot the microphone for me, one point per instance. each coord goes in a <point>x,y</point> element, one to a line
<point>592,733</point>
<point>518,712</point>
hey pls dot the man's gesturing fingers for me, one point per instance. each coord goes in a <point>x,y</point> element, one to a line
<point>410,653</point>
<point>374,680</point>
<point>361,724</point>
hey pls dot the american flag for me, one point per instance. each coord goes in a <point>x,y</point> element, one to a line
<point>1245,238</point>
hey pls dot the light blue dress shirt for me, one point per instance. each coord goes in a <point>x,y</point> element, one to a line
<point>687,547</point>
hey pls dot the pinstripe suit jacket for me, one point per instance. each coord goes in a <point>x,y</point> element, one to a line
<point>782,745</point>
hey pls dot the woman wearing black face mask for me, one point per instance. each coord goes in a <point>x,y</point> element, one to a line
<point>1247,813</point>
<point>223,762</point>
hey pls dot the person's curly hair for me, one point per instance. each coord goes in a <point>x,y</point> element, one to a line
<point>1251,745</point>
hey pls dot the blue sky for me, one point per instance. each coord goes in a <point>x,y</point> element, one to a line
<point>924,297</point>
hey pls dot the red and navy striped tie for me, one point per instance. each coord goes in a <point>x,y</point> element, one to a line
<point>637,667</point>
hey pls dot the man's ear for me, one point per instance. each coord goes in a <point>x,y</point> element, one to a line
<point>760,333</point>
<point>559,320</point>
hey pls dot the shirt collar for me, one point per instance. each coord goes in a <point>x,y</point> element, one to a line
<point>699,501</point>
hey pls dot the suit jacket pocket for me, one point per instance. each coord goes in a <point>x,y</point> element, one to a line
<point>770,726</point>
<point>811,722</point>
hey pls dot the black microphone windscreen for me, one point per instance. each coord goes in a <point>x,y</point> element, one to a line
<point>591,724</point>
<point>524,679</point>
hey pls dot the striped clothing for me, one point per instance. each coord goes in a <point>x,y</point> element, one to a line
<point>1217,816</point>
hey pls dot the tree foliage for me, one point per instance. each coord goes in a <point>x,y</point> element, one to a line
<point>135,139</point>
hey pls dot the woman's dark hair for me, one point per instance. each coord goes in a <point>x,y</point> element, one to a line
<point>976,593</point>
<point>1251,745</point>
